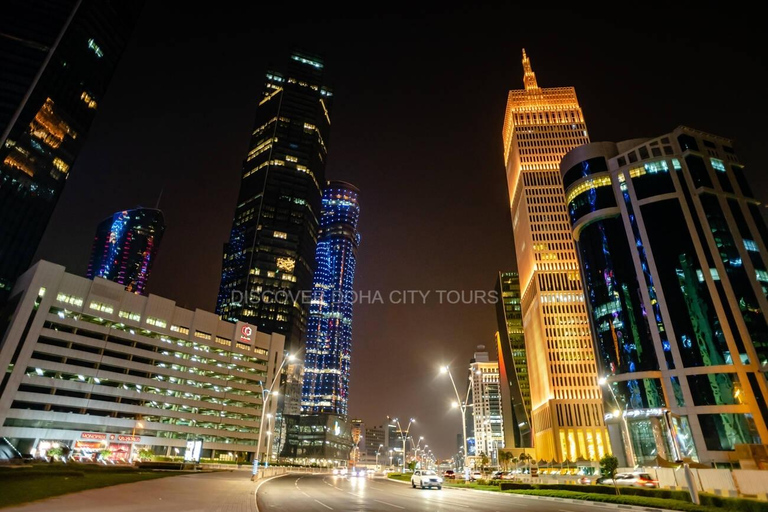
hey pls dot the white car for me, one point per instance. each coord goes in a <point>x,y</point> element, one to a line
<point>425,478</point>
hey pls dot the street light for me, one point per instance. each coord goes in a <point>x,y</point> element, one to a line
<point>266,394</point>
<point>619,412</point>
<point>463,407</point>
<point>378,452</point>
<point>404,433</point>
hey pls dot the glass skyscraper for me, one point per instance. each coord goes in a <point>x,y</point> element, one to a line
<point>56,60</point>
<point>125,248</point>
<point>269,259</point>
<point>329,333</point>
<point>673,254</point>
<point>513,363</point>
<point>541,125</point>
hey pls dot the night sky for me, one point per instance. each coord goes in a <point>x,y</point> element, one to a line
<point>419,105</point>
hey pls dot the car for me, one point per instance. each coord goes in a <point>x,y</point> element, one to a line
<point>475,475</point>
<point>336,471</point>
<point>343,471</point>
<point>426,478</point>
<point>449,474</point>
<point>585,480</point>
<point>635,479</point>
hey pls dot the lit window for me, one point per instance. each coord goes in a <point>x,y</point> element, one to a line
<point>762,275</point>
<point>96,48</point>
<point>104,308</point>
<point>312,63</point>
<point>291,158</point>
<point>130,316</point>
<point>280,234</point>
<point>203,335</point>
<point>179,329</point>
<point>88,100</point>
<point>750,245</point>
<point>718,165</point>
<point>157,322</point>
<point>60,165</point>
<point>68,299</point>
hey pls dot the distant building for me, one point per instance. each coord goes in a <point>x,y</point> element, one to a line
<point>374,440</point>
<point>513,363</point>
<point>486,405</point>
<point>672,245</point>
<point>329,329</point>
<point>322,439</point>
<point>125,248</point>
<point>94,367</point>
<point>57,58</point>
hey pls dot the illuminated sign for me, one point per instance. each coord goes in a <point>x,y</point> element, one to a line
<point>336,428</point>
<point>246,331</point>
<point>91,435</point>
<point>192,453</point>
<point>130,439</point>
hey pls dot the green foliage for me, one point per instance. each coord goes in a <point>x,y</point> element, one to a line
<point>54,452</point>
<point>740,504</point>
<point>105,453</point>
<point>608,466</point>
<point>641,501</point>
<point>412,465</point>
<point>399,476</point>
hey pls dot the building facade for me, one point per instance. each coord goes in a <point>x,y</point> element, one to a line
<point>673,255</point>
<point>513,363</point>
<point>486,405</point>
<point>329,330</point>
<point>57,58</point>
<point>321,439</point>
<point>540,126</point>
<point>374,441</point>
<point>94,367</point>
<point>125,248</point>
<point>270,257</point>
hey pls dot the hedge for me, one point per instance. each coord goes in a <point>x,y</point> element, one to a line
<point>666,494</point>
<point>642,501</point>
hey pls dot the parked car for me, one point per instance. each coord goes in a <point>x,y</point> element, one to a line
<point>475,475</point>
<point>426,478</point>
<point>585,480</point>
<point>635,479</point>
<point>449,474</point>
<point>497,475</point>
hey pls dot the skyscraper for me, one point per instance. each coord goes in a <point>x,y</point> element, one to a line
<point>513,363</point>
<point>329,333</point>
<point>125,248</point>
<point>56,60</point>
<point>486,405</point>
<point>540,126</point>
<point>269,258</point>
<point>673,255</point>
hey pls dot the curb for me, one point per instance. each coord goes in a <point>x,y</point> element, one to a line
<point>262,482</point>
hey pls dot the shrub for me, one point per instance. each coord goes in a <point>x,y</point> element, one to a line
<point>508,486</point>
<point>642,501</point>
<point>740,504</point>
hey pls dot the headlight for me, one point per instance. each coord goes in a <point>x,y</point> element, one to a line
<point>440,480</point>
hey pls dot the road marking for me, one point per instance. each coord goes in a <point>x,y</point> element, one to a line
<point>390,504</point>
<point>323,504</point>
<point>256,491</point>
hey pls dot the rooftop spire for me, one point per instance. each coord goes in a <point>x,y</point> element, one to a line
<point>529,77</point>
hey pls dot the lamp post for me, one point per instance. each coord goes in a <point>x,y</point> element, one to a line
<point>628,439</point>
<point>266,395</point>
<point>390,459</point>
<point>404,434</point>
<point>463,407</point>
<point>378,452</point>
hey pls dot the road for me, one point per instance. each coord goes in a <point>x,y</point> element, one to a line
<point>301,493</point>
<point>234,492</point>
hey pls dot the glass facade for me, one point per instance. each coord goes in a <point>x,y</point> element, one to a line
<point>125,248</point>
<point>329,331</point>
<point>513,362</point>
<point>672,256</point>
<point>269,259</point>
<point>44,122</point>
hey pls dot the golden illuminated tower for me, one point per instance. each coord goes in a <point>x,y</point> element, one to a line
<point>542,125</point>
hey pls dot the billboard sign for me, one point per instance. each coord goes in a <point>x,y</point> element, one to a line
<point>192,453</point>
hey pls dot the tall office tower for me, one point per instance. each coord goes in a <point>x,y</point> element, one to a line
<point>486,409</point>
<point>56,60</point>
<point>125,248</point>
<point>513,363</point>
<point>270,256</point>
<point>329,332</point>
<point>674,261</point>
<point>374,441</point>
<point>540,126</point>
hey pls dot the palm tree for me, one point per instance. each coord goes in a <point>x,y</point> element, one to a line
<point>514,460</point>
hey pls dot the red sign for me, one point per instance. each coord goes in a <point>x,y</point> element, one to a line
<point>91,435</point>
<point>245,333</point>
<point>129,439</point>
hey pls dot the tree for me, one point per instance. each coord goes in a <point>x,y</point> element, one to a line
<point>412,465</point>
<point>484,460</point>
<point>514,461</point>
<point>146,453</point>
<point>608,466</point>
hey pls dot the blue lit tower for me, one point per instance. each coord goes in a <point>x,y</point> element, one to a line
<point>329,329</point>
<point>125,247</point>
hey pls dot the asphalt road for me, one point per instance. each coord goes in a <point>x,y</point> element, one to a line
<point>322,493</point>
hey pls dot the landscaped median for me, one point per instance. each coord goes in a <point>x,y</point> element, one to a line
<point>651,498</point>
<point>38,481</point>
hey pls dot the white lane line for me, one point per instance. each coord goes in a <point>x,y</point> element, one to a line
<point>390,504</point>
<point>323,504</point>
<point>256,491</point>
